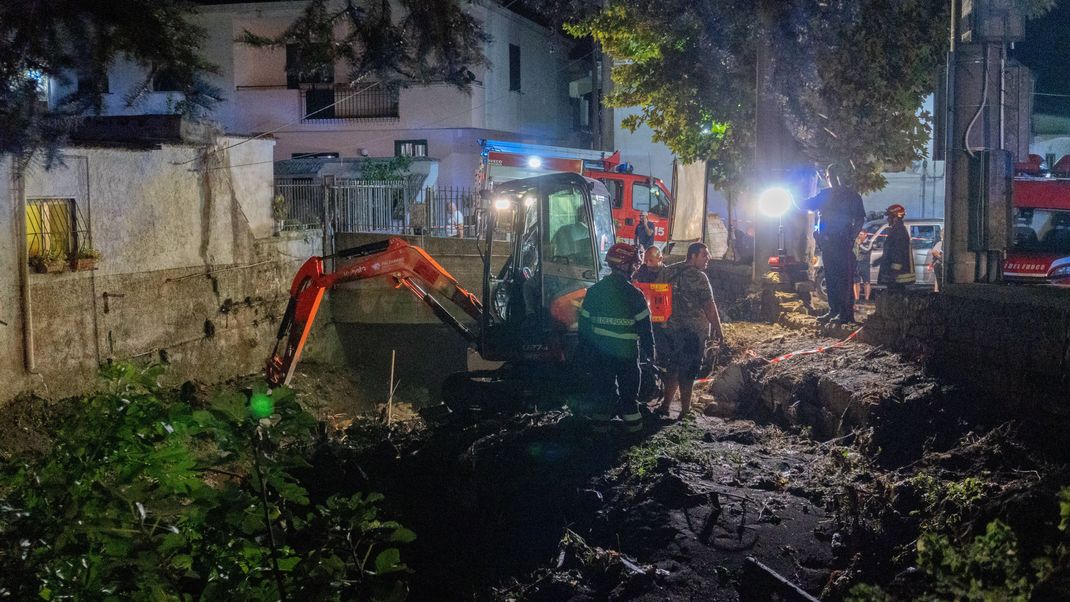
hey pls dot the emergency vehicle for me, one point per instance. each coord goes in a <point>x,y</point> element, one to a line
<point>1040,244</point>
<point>631,193</point>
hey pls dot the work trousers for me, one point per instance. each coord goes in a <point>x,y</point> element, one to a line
<point>615,387</point>
<point>840,267</point>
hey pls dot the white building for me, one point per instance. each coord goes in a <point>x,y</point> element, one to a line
<point>522,94</point>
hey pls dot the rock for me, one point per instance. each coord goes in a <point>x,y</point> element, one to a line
<point>730,384</point>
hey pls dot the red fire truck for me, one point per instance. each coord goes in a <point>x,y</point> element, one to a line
<point>1040,247</point>
<point>632,193</point>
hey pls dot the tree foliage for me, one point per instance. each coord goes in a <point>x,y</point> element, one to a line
<point>65,41</point>
<point>433,41</point>
<point>847,77</point>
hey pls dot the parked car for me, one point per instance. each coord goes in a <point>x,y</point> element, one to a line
<point>923,235</point>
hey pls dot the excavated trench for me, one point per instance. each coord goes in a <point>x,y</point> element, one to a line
<point>826,467</point>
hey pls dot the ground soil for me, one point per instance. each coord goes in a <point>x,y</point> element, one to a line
<point>535,507</point>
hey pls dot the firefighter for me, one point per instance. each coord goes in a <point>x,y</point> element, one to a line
<point>615,331</point>
<point>897,262</point>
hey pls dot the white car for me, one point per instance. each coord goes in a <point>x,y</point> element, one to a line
<point>923,235</point>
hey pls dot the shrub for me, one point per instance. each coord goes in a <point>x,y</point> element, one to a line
<point>144,496</point>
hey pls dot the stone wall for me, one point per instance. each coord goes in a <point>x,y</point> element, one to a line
<point>1009,347</point>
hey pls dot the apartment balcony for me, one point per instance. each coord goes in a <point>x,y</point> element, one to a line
<point>358,101</point>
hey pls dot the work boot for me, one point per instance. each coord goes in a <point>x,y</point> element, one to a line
<point>633,423</point>
<point>825,318</point>
<point>600,423</point>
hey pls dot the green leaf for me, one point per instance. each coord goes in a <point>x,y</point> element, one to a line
<point>288,564</point>
<point>403,535</point>
<point>388,561</point>
<point>182,561</point>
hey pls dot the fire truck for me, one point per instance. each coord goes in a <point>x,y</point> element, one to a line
<point>1040,244</point>
<point>631,193</point>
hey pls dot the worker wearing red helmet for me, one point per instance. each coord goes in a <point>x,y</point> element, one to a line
<point>897,262</point>
<point>615,331</point>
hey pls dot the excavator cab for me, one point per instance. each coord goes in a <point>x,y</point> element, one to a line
<point>560,227</point>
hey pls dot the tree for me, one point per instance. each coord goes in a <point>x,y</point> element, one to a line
<point>434,41</point>
<point>848,76</point>
<point>70,41</point>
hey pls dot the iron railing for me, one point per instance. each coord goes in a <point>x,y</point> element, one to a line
<point>366,101</point>
<point>55,228</point>
<point>378,206</point>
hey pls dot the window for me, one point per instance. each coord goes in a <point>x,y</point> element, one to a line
<point>616,192</point>
<point>649,199</point>
<point>514,68</point>
<point>93,83</point>
<point>301,69</point>
<point>570,239</point>
<point>320,155</point>
<point>168,80</point>
<point>410,148</point>
<point>54,230</point>
<point>924,236</point>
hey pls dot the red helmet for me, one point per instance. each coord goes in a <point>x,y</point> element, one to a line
<point>624,257</point>
<point>896,211</point>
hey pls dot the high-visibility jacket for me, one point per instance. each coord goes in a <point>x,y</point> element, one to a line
<point>897,262</point>
<point>615,319</point>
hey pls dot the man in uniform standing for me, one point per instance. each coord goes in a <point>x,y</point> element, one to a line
<point>841,217</point>
<point>615,331</point>
<point>693,322</point>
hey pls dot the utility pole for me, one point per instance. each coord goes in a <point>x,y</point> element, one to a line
<point>989,97</point>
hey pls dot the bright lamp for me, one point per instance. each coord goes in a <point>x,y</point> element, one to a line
<point>775,202</point>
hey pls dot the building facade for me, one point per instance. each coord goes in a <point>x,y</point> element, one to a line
<point>523,93</point>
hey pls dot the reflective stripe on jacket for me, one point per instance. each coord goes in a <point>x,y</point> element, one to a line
<point>897,262</point>
<point>615,319</point>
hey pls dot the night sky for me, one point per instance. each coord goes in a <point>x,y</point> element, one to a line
<point>1046,50</point>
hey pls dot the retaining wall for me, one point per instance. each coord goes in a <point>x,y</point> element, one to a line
<point>1009,347</point>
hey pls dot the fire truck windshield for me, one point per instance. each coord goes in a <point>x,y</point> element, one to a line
<point>1041,230</point>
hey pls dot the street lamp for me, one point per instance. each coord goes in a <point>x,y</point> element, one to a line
<point>775,202</point>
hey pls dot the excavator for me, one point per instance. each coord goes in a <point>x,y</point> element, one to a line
<point>558,226</point>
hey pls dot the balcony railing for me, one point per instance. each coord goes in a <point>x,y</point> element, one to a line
<point>346,102</point>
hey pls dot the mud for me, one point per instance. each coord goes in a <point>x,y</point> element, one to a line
<point>826,467</point>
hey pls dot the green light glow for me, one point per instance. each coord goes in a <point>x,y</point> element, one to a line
<point>261,405</point>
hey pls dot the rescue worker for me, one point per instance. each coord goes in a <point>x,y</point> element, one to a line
<point>694,321</point>
<point>841,217</point>
<point>897,262</point>
<point>652,264</point>
<point>615,332</point>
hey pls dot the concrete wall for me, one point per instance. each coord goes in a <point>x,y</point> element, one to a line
<point>1007,346</point>
<point>190,272</point>
<point>378,302</point>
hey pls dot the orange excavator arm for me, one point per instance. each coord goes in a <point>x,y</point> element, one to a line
<point>408,266</point>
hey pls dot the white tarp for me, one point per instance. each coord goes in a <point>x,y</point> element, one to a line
<point>690,203</point>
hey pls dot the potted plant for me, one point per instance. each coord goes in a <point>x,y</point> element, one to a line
<point>278,212</point>
<point>85,259</point>
<point>48,261</point>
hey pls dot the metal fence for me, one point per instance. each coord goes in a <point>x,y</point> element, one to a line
<point>345,102</point>
<point>378,206</point>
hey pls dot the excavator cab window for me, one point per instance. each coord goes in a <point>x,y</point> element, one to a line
<point>570,261</point>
